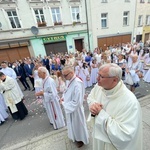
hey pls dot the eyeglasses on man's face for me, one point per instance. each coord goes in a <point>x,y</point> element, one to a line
<point>100,76</point>
<point>65,75</point>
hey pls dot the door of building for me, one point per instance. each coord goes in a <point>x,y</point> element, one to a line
<point>147,37</point>
<point>113,40</point>
<point>12,54</point>
<point>138,38</point>
<point>78,44</point>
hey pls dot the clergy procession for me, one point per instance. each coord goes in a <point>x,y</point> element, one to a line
<point>59,81</point>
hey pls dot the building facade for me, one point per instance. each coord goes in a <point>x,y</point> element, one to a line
<point>142,21</point>
<point>32,27</point>
<point>112,22</point>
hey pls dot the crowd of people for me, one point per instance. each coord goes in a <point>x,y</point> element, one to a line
<point>60,79</point>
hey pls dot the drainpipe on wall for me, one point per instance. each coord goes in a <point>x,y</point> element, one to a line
<point>134,23</point>
<point>86,14</point>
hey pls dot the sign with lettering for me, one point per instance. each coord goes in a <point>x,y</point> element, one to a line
<point>54,38</point>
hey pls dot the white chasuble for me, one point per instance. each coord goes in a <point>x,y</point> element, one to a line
<point>10,92</point>
<point>118,126</point>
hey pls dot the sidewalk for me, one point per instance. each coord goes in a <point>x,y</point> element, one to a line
<point>55,140</point>
<point>58,140</point>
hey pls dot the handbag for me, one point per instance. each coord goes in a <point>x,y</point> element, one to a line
<point>129,79</point>
<point>147,65</point>
<point>140,74</point>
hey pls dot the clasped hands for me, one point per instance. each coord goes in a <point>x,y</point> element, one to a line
<point>95,108</point>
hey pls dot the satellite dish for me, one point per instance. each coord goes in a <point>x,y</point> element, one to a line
<point>34,30</point>
<point>0,24</point>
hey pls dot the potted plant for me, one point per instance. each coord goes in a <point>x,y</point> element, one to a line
<point>41,24</point>
<point>74,23</point>
<point>57,23</point>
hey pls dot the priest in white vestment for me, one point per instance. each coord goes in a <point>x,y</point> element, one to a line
<point>115,112</point>
<point>11,73</point>
<point>51,99</point>
<point>12,97</point>
<point>72,102</point>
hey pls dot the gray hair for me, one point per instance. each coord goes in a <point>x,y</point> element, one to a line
<point>113,70</point>
<point>69,68</point>
<point>43,69</point>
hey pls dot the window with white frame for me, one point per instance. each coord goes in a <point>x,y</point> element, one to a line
<point>56,16</point>
<point>39,14</point>
<point>147,19</point>
<point>13,18</point>
<point>140,20</point>
<point>104,20</point>
<point>141,1</point>
<point>104,1</point>
<point>125,18</point>
<point>75,14</point>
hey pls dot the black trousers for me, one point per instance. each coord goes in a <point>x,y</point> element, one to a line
<point>21,113</point>
<point>24,82</point>
<point>32,81</point>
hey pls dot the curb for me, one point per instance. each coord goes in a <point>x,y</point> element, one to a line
<point>144,101</point>
<point>143,98</point>
<point>33,140</point>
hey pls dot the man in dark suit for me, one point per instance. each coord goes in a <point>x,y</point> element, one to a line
<point>21,64</point>
<point>46,63</point>
<point>29,71</point>
<point>21,76</point>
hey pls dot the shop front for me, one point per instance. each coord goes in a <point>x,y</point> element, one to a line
<point>55,44</point>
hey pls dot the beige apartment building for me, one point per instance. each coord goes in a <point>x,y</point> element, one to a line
<point>142,21</point>
<point>112,22</point>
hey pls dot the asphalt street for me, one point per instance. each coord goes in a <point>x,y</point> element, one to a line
<point>37,124</point>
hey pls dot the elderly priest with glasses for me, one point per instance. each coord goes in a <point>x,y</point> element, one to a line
<point>114,112</point>
<point>72,102</point>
